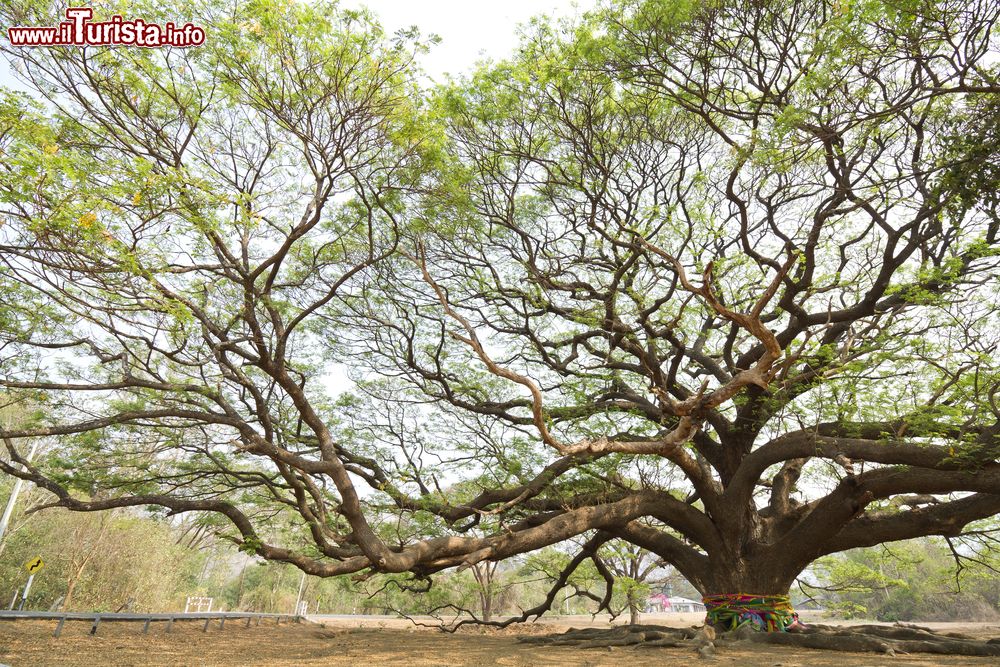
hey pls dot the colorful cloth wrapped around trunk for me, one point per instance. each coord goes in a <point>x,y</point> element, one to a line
<point>764,613</point>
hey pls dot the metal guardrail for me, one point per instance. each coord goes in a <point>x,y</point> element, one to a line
<point>97,617</point>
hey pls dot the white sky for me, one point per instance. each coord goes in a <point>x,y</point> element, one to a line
<point>469,30</point>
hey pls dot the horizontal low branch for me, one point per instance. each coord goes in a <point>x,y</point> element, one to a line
<point>830,441</point>
<point>946,518</point>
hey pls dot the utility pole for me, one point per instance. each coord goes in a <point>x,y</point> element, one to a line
<point>18,483</point>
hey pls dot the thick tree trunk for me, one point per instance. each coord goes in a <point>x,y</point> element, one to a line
<point>748,560</point>
<point>750,594</point>
<point>756,578</point>
<point>744,580</point>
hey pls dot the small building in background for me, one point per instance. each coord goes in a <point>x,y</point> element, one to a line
<point>665,604</point>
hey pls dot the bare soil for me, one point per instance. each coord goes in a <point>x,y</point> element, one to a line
<point>344,643</point>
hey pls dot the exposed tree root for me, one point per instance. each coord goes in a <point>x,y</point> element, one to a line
<point>893,639</point>
<point>623,635</point>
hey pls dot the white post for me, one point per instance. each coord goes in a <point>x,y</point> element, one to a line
<point>298,598</point>
<point>27,588</point>
<point>5,520</point>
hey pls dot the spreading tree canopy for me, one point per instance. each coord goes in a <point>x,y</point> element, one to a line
<point>715,279</point>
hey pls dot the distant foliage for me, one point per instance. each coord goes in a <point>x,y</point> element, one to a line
<point>909,581</point>
<point>99,562</point>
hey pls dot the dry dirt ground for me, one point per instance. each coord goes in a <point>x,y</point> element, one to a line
<point>343,643</point>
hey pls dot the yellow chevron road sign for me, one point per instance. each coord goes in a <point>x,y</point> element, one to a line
<point>34,565</point>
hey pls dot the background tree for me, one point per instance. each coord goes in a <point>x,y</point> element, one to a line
<point>908,581</point>
<point>633,568</point>
<point>712,280</point>
<point>99,562</point>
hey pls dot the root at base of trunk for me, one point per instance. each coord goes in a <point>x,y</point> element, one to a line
<point>864,638</point>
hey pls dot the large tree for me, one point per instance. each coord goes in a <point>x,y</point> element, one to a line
<point>716,280</point>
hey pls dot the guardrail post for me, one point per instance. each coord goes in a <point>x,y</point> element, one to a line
<point>148,619</point>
